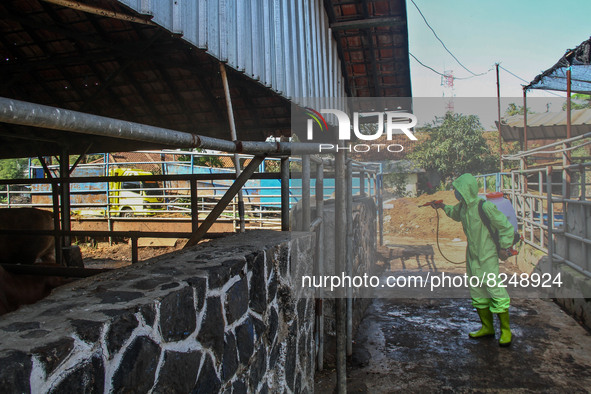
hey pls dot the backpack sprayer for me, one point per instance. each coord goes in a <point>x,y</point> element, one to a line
<point>502,205</point>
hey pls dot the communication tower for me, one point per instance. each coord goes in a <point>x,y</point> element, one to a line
<point>447,81</point>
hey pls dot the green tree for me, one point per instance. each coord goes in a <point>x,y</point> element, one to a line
<point>578,101</point>
<point>513,109</point>
<point>13,168</point>
<point>207,161</point>
<point>454,145</point>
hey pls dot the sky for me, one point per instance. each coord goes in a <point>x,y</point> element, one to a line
<point>525,36</point>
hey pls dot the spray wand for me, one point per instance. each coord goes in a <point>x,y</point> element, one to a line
<point>431,203</point>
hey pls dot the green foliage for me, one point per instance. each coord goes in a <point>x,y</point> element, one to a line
<point>13,168</point>
<point>272,166</point>
<point>454,145</point>
<point>513,109</point>
<point>397,180</point>
<point>578,101</point>
<point>206,161</point>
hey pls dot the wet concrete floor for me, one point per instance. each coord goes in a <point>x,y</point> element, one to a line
<point>422,345</point>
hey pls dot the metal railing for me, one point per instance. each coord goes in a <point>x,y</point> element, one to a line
<point>93,198</point>
<point>368,180</point>
<point>193,196</point>
<point>549,198</point>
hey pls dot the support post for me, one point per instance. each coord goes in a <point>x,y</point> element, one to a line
<point>524,147</point>
<point>550,219</point>
<point>134,251</point>
<point>306,216</point>
<point>194,206</point>
<point>284,194</point>
<point>349,254</point>
<point>362,182</point>
<point>499,118</point>
<point>380,201</point>
<point>65,196</point>
<point>524,158</point>
<point>224,201</point>
<point>55,199</point>
<point>320,262</point>
<point>234,138</point>
<point>108,207</point>
<point>340,239</point>
<point>567,153</point>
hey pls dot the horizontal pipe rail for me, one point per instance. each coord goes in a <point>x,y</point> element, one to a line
<point>529,152</point>
<point>131,178</point>
<point>42,116</point>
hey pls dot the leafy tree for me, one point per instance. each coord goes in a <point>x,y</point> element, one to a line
<point>578,101</point>
<point>207,161</point>
<point>13,168</point>
<point>513,109</point>
<point>454,145</point>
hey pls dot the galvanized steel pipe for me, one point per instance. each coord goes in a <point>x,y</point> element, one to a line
<point>320,257</point>
<point>285,194</point>
<point>42,116</point>
<point>349,254</point>
<point>340,240</point>
<point>306,217</point>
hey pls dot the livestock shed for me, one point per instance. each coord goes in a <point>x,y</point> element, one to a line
<point>82,77</point>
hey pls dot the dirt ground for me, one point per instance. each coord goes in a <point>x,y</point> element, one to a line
<point>407,219</point>
<point>118,254</point>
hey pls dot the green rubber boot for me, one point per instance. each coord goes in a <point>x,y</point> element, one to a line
<point>505,339</point>
<point>487,330</point>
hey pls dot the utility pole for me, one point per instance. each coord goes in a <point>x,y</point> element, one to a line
<point>499,118</point>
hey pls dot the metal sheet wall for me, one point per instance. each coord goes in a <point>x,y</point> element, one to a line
<point>287,45</point>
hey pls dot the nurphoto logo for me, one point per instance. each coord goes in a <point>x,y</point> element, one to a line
<point>390,121</point>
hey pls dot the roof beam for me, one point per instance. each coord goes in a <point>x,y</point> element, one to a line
<point>367,23</point>
<point>75,5</point>
<point>331,20</point>
<point>368,34</point>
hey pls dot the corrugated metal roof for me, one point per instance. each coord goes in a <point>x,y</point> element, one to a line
<point>546,126</point>
<point>166,73</point>
<point>373,37</point>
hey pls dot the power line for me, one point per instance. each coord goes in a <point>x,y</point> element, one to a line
<point>516,76</point>
<point>521,79</point>
<point>442,74</point>
<point>444,46</point>
<point>424,65</point>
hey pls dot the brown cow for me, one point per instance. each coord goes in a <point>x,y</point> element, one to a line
<point>26,249</point>
<point>17,290</point>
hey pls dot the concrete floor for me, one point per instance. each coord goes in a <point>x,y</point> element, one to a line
<point>422,345</point>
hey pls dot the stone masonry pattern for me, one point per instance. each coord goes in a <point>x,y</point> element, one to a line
<point>224,317</point>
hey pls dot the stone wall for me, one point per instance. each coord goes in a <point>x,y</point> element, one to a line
<point>221,317</point>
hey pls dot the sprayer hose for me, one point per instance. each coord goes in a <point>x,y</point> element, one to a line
<point>439,248</point>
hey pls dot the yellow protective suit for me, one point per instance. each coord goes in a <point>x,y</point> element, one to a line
<point>481,254</point>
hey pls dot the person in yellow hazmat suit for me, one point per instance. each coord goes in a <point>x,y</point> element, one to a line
<point>482,257</point>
